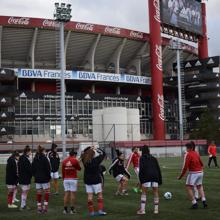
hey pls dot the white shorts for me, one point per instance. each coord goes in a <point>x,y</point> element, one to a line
<point>194,179</point>
<point>150,184</point>
<point>11,186</point>
<point>119,177</point>
<point>70,185</point>
<point>42,185</point>
<point>25,187</point>
<point>96,188</point>
<point>136,170</point>
<point>54,175</point>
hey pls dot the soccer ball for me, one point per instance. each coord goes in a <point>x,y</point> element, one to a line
<point>168,195</point>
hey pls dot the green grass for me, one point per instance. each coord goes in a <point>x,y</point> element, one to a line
<point>125,207</point>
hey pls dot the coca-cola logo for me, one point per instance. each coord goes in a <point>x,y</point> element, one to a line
<point>113,30</point>
<point>50,23</point>
<point>158,52</point>
<point>160,101</point>
<point>20,21</point>
<point>85,27</point>
<point>157,10</point>
<point>137,34</point>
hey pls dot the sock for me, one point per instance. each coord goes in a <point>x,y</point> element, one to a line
<point>90,206</point>
<point>46,199</point>
<point>14,194</point>
<point>65,208</point>
<point>203,199</point>
<point>10,198</point>
<point>156,203</point>
<point>100,204</point>
<point>194,201</point>
<point>39,198</point>
<point>143,201</point>
<point>23,199</point>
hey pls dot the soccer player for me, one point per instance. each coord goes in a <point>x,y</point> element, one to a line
<point>12,177</point>
<point>92,158</point>
<point>212,154</point>
<point>150,176</point>
<point>55,163</point>
<point>134,159</point>
<point>120,173</point>
<point>41,172</point>
<point>25,175</point>
<point>70,166</point>
<point>194,165</point>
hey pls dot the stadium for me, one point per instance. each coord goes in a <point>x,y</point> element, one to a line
<point>99,55</point>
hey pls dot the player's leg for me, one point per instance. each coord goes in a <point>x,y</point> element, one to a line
<point>124,183</point>
<point>46,190</point>
<point>25,189</point>
<point>15,194</point>
<point>141,211</point>
<point>55,182</point>
<point>72,202</point>
<point>196,193</point>
<point>39,197</point>
<point>101,204</point>
<point>210,160</point>
<point>66,201</point>
<point>215,161</point>
<point>156,198</point>
<point>10,196</point>
<point>202,193</point>
<point>190,193</point>
<point>90,204</point>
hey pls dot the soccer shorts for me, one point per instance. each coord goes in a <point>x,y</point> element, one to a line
<point>119,177</point>
<point>25,187</point>
<point>96,188</point>
<point>54,175</point>
<point>194,179</point>
<point>11,186</point>
<point>150,184</point>
<point>43,186</point>
<point>70,185</point>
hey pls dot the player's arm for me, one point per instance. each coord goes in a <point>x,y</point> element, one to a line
<point>129,161</point>
<point>77,166</point>
<point>185,166</point>
<point>112,166</point>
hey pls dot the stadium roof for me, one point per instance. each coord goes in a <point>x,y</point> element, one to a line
<point>34,43</point>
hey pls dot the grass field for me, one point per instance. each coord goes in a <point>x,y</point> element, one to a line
<point>125,207</point>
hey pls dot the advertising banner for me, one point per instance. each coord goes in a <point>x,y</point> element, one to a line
<point>83,75</point>
<point>183,14</point>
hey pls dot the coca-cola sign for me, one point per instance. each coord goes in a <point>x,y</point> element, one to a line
<point>49,23</point>
<point>85,27</point>
<point>136,34</point>
<point>157,10</point>
<point>113,30</point>
<point>19,21</point>
<point>160,101</point>
<point>158,52</point>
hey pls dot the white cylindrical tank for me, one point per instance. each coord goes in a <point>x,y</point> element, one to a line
<point>97,125</point>
<point>115,124</point>
<point>133,120</point>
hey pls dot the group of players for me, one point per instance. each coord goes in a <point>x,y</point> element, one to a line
<point>45,166</point>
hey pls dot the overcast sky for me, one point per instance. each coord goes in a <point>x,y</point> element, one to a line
<point>131,14</point>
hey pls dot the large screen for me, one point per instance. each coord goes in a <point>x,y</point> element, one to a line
<point>183,14</point>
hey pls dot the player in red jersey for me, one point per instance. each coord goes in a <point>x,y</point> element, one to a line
<point>212,154</point>
<point>134,159</point>
<point>194,165</point>
<point>70,166</point>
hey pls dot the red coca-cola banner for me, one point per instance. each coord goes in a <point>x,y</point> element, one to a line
<point>81,27</point>
<point>156,70</point>
<point>74,26</point>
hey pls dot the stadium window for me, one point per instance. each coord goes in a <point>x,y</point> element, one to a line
<point>74,112</point>
<point>23,106</point>
<point>41,107</point>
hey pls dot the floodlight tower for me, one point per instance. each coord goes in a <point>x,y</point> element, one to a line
<point>62,15</point>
